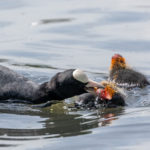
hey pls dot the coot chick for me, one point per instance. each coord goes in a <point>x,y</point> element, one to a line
<point>62,85</point>
<point>123,75</point>
<point>109,96</point>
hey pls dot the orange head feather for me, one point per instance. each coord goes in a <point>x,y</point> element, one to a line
<point>107,93</point>
<point>118,62</point>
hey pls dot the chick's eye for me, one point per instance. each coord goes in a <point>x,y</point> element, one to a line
<point>121,61</point>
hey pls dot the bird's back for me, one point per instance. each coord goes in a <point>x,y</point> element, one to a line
<point>128,78</point>
<point>13,85</point>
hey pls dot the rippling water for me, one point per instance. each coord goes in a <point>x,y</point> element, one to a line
<point>41,37</point>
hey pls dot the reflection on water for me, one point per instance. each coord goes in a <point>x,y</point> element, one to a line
<point>36,66</point>
<point>51,122</point>
<point>47,21</point>
<point>109,115</point>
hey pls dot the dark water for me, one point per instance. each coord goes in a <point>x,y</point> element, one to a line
<point>41,37</point>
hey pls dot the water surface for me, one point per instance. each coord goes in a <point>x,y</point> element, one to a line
<point>40,38</point>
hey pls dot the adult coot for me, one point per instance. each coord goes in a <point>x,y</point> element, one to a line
<point>62,85</point>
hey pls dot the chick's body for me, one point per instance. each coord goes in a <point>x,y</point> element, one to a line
<point>110,96</point>
<point>123,75</point>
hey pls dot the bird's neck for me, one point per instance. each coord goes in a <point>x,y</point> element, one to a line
<point>45,93</point>
<point>116,68</point>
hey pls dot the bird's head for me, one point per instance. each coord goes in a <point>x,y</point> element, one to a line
<point>67,84</point>
<point>111,94</point>
<point>118,62</point>
<point>107,93</point>
<point>89,85</point>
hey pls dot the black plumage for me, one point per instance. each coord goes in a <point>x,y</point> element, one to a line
<point>128,78</point>
<point>62,85</point>
<point>90,101</point>
<point>124,76</point>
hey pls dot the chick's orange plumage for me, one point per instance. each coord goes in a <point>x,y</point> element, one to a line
<point>117,62</point>
<point>107,93</point>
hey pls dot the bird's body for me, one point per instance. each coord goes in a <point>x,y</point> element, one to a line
<point>86,100</point>
<point>15,86</point>
<point>128,78</point>
<point>62,85</point>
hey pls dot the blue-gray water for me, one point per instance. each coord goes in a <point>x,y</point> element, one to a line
<point>41,37</point>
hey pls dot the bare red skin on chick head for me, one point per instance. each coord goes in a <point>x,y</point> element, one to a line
<point>104,94</point>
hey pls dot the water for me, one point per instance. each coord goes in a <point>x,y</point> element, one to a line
<point>41,37</point>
